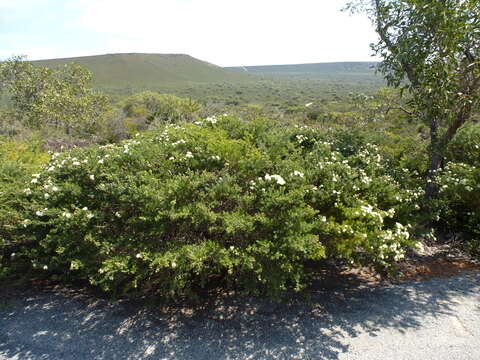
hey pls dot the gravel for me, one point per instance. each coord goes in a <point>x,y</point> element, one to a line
<point>435,319</point>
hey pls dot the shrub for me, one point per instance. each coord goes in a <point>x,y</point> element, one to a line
<point>249,203</point>
<point>459,203</point>
<point>148,109</point>
<point>465,146</point>
<point>17,161</point>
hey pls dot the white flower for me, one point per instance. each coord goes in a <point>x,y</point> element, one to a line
<point>85,208</point>
<point>277,178</point>
<point>171,158</point>
<point>75,163</point>
<point>27,191</point>
<point>118,215</point>
<point>12,255</point>
<point>189,155</point>
<point>46,195</point>
<point>67,214</point>
<point>138,256</point>
<point>298,173</point>
<point>45,267</point>
<point>211,119</point>
<point>55,189</point>
<point>35,175</point>
<point>92,177</point>
<point>100,161</point>
<point>39,213</point>
<point>90,215</point>
<point>174,264</point>
<point>34,181</point>
<point>51,168</point>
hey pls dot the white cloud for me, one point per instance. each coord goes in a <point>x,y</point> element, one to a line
<point>232,33</point>
<point>224,32</point>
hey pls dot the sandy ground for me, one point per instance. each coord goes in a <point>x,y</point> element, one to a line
<point>436,319</point>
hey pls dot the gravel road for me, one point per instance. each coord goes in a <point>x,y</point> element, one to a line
<point>435,319</point>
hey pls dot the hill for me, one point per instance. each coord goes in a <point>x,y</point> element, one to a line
<point>149,71</point>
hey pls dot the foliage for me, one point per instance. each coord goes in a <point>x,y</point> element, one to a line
<point>465,147</point>
<point>432,50</point>
<point>60,98</point>
<point>459,204</point>
<point>249,203</point>
<point>17,162</point>
<point>153,109</point>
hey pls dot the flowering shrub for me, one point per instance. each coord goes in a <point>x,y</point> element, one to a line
<point>171,210</point>
<point>17,161</point>
<point>459,204</point>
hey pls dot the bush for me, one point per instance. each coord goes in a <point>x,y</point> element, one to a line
<point>17,161</point>
<point>465,146</point>
<point>459,203</point>
<point>149,109</point>
<point>248,203</point>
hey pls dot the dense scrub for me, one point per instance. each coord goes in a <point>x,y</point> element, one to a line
<point>171,210</point>
<point>459,203</point>
<point>160,198</point>
<point>17,162</point>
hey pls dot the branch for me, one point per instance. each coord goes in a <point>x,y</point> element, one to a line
<point>382,30</point>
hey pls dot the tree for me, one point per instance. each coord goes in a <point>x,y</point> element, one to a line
<point>431,49</point>
<point>61,97</point>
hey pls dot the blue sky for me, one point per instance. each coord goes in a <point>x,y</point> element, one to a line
<point>223,32</point>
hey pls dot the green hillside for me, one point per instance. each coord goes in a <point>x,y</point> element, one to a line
<point>183,75</point>
<point>150,71</point>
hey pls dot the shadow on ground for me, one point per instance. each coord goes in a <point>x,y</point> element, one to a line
<point>67,324</point>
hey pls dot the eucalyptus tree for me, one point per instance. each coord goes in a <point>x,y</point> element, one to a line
<point>41,96</point>
<point>432,50</point>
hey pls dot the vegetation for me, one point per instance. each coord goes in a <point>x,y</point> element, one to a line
<point>154,193</point>
<point>42,97</point>
<point>435,48</point>
<point>157,72</point>
<point>276,87</point>
<point>363,72</point>
<point>170,209</point>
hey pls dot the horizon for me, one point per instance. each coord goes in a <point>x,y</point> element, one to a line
<point>179,54</point>
<point>227,34</point>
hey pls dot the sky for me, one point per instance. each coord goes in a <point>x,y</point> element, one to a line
<point>222,32</point>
